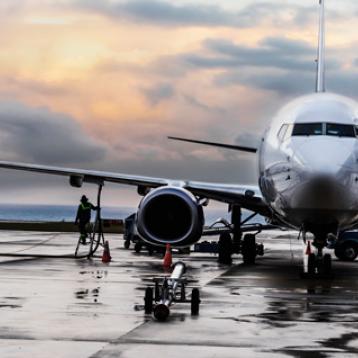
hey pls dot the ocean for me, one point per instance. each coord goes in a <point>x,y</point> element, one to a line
<point>14,212</point>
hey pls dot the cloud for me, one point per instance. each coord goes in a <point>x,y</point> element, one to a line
<point>9,84</point>
<point>288,84</point>
<point>38,135</point>
<point>276,64</point>
<point>194,102</point>
<point>292,83</point>
<point>159,93</point>
<point>274,52</point>
<point>165,13</point>
<point>248,139</point>
<point>160,12</point>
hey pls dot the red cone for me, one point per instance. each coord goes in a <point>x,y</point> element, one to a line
<point>167,262</point>
<point>106,257</point>
<point>308,249</point>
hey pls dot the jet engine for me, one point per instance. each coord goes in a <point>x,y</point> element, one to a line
<point>76,181</point>
<point>170,215</point>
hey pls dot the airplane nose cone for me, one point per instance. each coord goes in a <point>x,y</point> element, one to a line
<point>325,157</point>
<point>326,167</point>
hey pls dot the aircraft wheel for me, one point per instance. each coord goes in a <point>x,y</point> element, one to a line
<point>150,250</point>
<point>249,249</point>
<point>260,249</point>
<point>225,249</point>
<point>327,264</point>
<point>311,264</point>
<point>138,247</point>
<point>148,300</point>
<point>195,301</point>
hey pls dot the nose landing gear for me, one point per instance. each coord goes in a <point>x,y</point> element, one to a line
<point>318,265</point>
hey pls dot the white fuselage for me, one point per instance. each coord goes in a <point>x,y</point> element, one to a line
<point>308,163</point>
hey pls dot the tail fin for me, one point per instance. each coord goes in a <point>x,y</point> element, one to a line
<point>321,61</point>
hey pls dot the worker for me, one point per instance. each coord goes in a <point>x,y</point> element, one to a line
<point>83,217</point>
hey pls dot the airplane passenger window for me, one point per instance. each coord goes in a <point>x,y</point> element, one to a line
<point>340,130</point>
<point>307,129</point>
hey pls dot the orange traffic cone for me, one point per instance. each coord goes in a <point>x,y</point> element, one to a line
<point>308,249</point>
<point>167,262</point>
<point>106,257</point>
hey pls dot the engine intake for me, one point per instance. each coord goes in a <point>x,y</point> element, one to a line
<point>170,215</point>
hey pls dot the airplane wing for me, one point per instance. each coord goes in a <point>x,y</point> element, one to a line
<point>248,196</point>
<point>218,145</point>
<point>216,231</point>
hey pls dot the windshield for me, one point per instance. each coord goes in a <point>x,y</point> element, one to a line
<point>307,129</point>
<point>331,129</point>
<point>340,130</point>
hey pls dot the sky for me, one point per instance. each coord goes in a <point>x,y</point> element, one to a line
<point>101,84</point>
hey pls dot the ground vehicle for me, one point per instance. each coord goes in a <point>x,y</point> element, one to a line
<point>131,235</point>
<point>346,247</point>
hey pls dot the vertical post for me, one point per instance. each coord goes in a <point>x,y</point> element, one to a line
<point>99,214</point>
<point>98,229</point>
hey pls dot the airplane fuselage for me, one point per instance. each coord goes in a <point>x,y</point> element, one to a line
<point>308,163</point>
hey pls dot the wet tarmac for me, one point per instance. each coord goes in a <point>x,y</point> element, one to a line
<point>84,308</point>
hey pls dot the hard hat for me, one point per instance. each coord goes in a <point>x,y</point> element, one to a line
<point>84,198</point>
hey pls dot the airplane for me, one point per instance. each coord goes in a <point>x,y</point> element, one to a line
<point>307,170</point>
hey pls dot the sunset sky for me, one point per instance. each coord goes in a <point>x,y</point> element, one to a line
<point>99,84</point>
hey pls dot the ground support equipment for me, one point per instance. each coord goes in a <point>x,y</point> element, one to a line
<point>169,290</point>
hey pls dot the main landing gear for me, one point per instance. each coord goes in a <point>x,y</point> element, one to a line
<point>234,243</point>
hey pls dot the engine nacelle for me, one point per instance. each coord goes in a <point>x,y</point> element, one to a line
<point>76,181</point>
<point>170,215</point>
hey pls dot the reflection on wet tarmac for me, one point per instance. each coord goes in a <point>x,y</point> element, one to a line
<point>82,308</point>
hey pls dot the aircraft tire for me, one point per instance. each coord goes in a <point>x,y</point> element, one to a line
<point>260,250</point>
<point>138,247</point>
<point>195,301</point>
<point>225,249</point>
<point>327,264</point>
<point>311,267</point>
<point>249,249</point>
<point>148,300</point>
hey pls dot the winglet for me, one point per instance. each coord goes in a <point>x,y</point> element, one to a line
<point>321,61</point>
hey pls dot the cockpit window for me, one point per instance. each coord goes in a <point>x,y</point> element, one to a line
<point>340,130</point>
<point>282,132</point>
<point>331,129</point>
<point>307,129</point>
